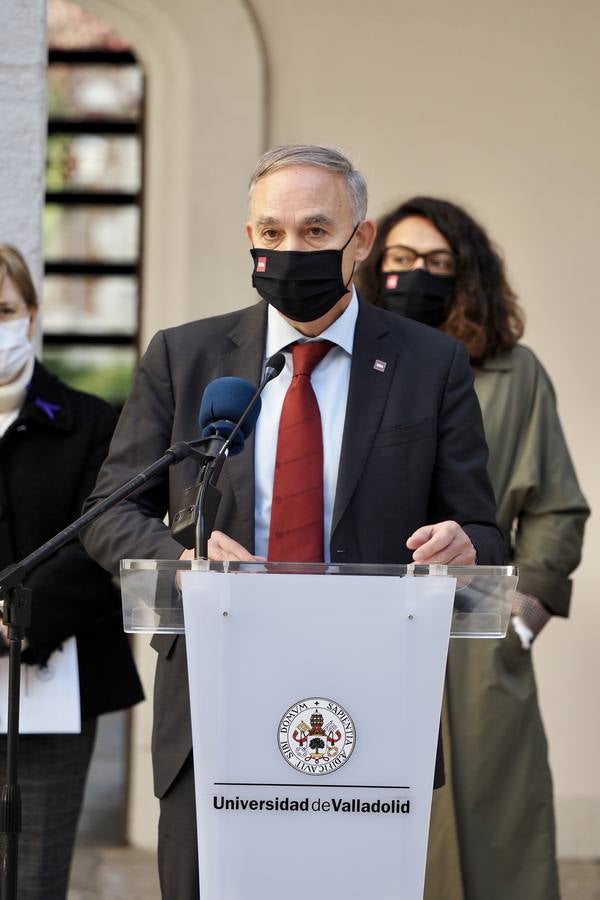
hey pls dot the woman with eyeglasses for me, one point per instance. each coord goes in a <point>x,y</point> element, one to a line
<point>52,442</point>
<point>492,832</point>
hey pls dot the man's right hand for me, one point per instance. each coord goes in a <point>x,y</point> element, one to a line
<point>187,554</point>
<point>221,547</point>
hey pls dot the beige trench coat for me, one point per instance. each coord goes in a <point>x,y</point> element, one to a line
<point>492,833</point>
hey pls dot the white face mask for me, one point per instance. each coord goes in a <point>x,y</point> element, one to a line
<point>15,349</point>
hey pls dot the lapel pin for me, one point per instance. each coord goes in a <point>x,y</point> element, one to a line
<point>379,365</point>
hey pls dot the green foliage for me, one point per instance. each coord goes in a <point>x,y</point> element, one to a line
<point>57,161</point>
<point>57,105</point>
<point>110,381</point>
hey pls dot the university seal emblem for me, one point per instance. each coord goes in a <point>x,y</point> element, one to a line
<point>316,736</point>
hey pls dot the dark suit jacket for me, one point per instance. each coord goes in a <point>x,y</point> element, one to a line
<point>49,460</point>
<point>413,453</point>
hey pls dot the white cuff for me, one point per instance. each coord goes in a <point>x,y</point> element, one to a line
<point>526,635</point>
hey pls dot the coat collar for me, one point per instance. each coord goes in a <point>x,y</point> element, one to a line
<point>245,360</point>
<point>502,362</point>
<point>248,331</point>
<point>374,358</point>
<point>47,403</point>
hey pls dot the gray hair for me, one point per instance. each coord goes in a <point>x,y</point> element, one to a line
<point>313,155</point>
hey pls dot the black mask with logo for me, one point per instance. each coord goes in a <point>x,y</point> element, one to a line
<point>302,285</point>
<point>418,295</point>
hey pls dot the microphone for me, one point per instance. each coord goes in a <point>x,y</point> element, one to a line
<point>229,394</point>
<point>223,404</point>
<point>228,413</point>
<point>274,366</point>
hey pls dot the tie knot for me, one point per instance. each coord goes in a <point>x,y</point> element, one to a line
<point>308,355</point>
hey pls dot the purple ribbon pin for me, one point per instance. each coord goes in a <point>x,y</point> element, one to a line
<point>48,408</point>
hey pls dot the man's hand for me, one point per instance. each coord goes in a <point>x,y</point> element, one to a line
<point>187,554</point>
<point>444,543</point>
<point>221,547</point>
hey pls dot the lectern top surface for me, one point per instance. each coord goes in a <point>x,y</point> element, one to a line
<point>294,568</point>
<point>153,599</point>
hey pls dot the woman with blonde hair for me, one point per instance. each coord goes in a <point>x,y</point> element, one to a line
<point>52,442</point>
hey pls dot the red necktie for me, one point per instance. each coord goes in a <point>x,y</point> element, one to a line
<point>296,529</point>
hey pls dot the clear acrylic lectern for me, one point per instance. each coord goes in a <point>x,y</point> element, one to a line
<point>315,694</point>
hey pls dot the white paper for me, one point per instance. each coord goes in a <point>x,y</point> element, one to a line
<point>50,701</point>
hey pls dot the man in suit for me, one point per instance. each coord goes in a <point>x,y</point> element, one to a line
<point>403,472</point>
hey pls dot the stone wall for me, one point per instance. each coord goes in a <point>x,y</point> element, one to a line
<point>23,126</point>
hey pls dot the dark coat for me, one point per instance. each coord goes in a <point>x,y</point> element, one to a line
<point>49,459</point>
<point>413,453</point>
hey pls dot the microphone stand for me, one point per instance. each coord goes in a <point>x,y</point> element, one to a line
<point>17,616</point>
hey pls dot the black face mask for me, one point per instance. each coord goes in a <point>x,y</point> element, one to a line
<point>418,295</point>
<point>302,285</point>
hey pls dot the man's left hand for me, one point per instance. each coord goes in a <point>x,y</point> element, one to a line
<point>445,543</point>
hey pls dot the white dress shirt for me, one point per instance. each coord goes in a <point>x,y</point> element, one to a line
<point>330,381</point>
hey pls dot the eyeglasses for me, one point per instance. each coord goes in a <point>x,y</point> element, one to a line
<point>403,259</point>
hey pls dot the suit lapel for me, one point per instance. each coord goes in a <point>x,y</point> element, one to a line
<point>367,395</point>
<point>245,360</point>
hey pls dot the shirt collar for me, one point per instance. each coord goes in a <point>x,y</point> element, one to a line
<point>281,334</point>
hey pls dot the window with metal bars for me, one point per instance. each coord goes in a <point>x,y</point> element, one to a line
<point>93,217</point>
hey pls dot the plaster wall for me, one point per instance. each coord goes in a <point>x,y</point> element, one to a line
<point>23,131</point>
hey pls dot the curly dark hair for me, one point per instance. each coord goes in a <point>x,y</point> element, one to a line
<point>484,312</point>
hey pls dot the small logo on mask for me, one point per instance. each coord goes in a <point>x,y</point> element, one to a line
<point>391,282</point>
<point>261,264</point>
